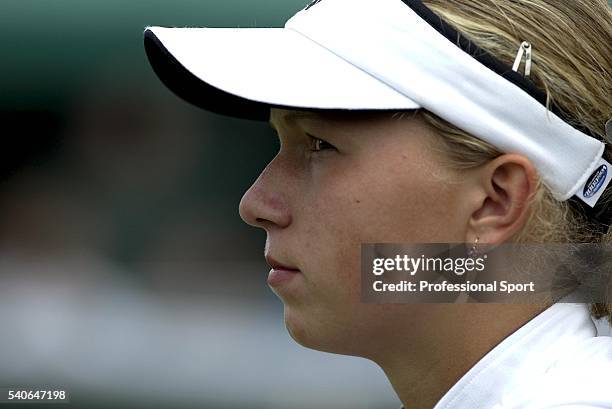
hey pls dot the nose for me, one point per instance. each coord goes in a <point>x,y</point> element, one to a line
<point>265,204</point>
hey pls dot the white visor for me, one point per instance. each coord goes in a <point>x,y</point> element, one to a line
<point>375,55</point>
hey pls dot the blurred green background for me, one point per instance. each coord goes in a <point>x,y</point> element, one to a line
<point>71,68</point>
<point>51,49</point>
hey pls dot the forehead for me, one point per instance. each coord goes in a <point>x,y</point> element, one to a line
<point>290,117</point>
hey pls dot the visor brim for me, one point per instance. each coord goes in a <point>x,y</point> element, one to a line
<point>244,72</point>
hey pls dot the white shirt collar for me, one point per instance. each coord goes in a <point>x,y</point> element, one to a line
<point>559,347</point>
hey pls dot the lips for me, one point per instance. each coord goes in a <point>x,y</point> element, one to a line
<point>279,266</point>
<point>280,273</point>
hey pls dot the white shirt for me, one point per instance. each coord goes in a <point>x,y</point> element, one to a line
<point>556,360</point>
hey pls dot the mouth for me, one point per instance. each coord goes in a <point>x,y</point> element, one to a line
<point>275,265</point>
<point>280,273</point>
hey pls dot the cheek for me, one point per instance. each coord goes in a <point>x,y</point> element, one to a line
<point>332,247</point>
<point>400,199</point>
<point>368,200</point>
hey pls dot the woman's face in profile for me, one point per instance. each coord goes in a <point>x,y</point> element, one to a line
<point>340,180</point>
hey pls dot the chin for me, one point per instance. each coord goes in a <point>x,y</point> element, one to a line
<point>316,334</point>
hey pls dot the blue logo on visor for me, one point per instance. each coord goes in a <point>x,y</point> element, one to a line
<point>595,182</point>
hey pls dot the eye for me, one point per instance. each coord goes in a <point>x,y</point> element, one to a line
<point>318,144</point>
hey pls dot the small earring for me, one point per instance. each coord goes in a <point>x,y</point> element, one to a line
<point>473,251</point>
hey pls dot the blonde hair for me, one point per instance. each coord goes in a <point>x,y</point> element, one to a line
<point>571,42</point>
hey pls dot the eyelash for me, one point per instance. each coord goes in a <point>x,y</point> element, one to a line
<point>314,141</point>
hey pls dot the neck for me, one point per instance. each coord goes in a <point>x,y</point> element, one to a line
<point>423,367</point>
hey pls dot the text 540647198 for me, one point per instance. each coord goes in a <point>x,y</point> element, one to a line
<point>14,395</point>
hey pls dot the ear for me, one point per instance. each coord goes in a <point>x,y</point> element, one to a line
<point>506,186</point>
